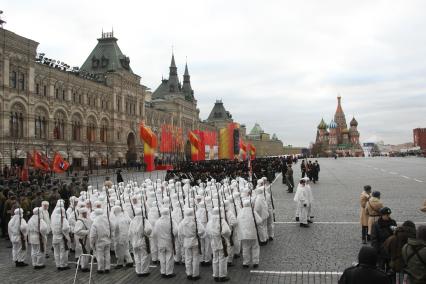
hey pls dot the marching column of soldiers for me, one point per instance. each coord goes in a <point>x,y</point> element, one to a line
<point>208,222</point>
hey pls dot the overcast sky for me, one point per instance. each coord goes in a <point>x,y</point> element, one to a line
<point>279,63</point>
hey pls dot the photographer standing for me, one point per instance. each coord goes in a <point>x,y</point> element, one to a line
<point>381,230</point>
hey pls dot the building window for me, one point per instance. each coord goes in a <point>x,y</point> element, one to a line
<point>37,89</point>
<point>91,132</point>
<point>40,127</point>
<point>45,91</point>
<point>80,99</point>
<point>63,95</point>
<point>16,127</point>
<point>118,104</point>
<point>103,133</point>
<point>22,81</point>
<point>57,93</point>
<point>76,130</point>
<point>12,82</point>
<point>59,129</point>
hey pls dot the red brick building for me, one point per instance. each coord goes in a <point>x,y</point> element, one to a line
<point>419,135</point>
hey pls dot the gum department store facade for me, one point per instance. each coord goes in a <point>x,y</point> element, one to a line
<point>93,111</point>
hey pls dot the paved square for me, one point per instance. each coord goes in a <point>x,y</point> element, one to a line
<point>297,254</point>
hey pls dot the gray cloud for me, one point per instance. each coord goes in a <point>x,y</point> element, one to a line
<point>279,63</point>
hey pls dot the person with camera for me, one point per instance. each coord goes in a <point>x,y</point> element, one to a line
<point>381,230</point>
<point>393,246</point>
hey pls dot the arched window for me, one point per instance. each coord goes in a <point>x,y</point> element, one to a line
<point>104,131</point>
<point>91,130</point>
<point>40,124</point>
<point>59,128</point>
<point>16,121</point>
<point>76,128</point>
<point>59,91</point>
<point>12,79</point>
<point>21,81</point>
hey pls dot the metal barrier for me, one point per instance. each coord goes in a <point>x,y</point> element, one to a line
<point>78,265</point>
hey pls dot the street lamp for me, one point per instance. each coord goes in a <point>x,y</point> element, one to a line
<point>68,148</point>
<point>48,148</point>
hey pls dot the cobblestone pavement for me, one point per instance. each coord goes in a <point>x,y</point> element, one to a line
<point>297,255</point>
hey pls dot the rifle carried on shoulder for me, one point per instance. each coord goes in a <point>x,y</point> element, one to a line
<point>40,237</point>
<point>63,236</point>
<point>147,244</point>
<point>83,244</point>
<point>272,201</point>
<point>224,244</point>
<point>171,231</point>
<point>24,244</point>
<point>196,226</point>
<point>231,238</point>
<point>107,210</point>
<point>254,220</point>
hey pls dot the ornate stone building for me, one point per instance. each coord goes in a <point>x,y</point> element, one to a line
<point>219,116</point>
<point>89,114</point>
<point>336,138</point>
<point>265,145</point>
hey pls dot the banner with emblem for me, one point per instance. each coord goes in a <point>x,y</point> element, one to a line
<point>59,165</point>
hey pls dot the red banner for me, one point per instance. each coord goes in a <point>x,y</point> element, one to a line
<point>166,144</point>
<point>243,150</point>
<point>252,151</point>
<point>196,145</point>
<point>150,143</point>
<point>59,164</point>
<point>40,161</point>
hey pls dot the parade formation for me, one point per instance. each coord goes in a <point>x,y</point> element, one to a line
<point>192,221</point>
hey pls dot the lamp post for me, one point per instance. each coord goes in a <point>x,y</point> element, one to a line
<point>48,146</point>
<point>68,148</point>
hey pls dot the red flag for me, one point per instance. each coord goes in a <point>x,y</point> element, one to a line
<point>30,160</point>
<point>59,164</point>
<point>166,139</point>
<point>40,161</point>
<point>24,176</point>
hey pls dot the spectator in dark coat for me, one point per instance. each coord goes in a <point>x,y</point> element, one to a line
<point>414,255</point>
<point>119,177</point>
<point>393,245</point>
<point>380,231</point>
<point>366,271</point>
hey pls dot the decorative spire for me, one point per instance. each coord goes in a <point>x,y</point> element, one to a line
<point>173,81</point>
<point>173,68</point>
<point>186,70</point>
<point>322,124</point>
<point>186,87</point>
<point>339,104</point>
<point>339,116</point>
<point>173,64</point>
